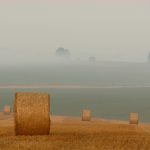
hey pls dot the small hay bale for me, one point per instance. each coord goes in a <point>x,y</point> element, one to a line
<point>86,115</point>
<point>31,112</point>
<point>7,110</point>
<point>134,118</point>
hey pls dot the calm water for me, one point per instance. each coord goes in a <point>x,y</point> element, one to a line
<point>109,103</point>
<point>104,103</point>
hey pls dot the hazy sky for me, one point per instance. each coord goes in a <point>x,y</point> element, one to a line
<point>118,30</point>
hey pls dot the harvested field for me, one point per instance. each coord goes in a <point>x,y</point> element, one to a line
<point>7,110</point>
<point>31,112</point>
<point>68,133</point>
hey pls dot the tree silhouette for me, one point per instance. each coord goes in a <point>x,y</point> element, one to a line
<point>149,57</point>
<point>92,59</point>
<point>62,52</point>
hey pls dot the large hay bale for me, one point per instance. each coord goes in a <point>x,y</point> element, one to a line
<point>86,115</point>
<point>134,118</point>
<point>7,110</point>
<point>31,111</point>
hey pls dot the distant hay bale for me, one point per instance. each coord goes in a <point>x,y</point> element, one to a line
<point>86,115</point>
<point>31,112</point>
<point>7,110</point>
<point>134,118</point>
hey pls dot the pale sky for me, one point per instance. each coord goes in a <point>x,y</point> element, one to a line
<point>118,30</point>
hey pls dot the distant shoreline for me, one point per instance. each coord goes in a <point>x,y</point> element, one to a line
<point>66,87</point>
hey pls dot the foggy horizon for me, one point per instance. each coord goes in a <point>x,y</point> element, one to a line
<point>109,31</point>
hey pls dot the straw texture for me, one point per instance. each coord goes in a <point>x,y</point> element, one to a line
<point>134,118</point>
<point>7,110</point>
<point>86,115</point>
<point>31,112</point>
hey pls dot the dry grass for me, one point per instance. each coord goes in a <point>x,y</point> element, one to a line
<point>77,135</point>
<point>86,115</point>
<point>31,111</point>
<point>7,110</point>
<point>134,118</point>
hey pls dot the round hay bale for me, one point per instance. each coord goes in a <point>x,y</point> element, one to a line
<point>86,115</point>
<point>31,112</point>
<point>134,118</point>
<point>7,110</point>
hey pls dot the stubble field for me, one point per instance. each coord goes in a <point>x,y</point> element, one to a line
<point>68,133</point>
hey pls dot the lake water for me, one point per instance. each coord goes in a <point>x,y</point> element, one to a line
<point>108,103</point>
<point>104,103</point>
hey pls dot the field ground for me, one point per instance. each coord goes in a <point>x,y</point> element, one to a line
<point>68,133</point>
